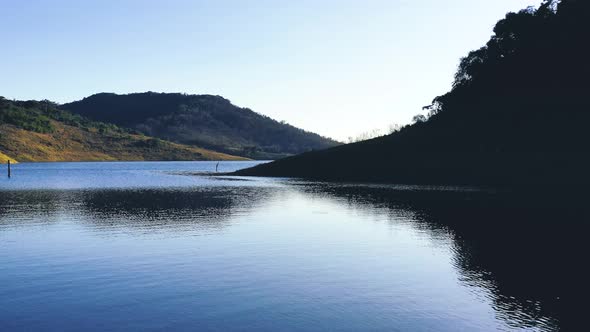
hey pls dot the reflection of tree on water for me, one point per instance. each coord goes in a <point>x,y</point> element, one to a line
<point>521,247</point>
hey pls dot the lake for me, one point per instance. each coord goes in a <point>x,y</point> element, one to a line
<point>160,246</point>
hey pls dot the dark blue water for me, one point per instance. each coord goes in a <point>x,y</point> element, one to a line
<point>148,246</point>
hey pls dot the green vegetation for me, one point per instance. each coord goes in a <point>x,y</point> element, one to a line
<point>28,119</point>
<point>40,131</point>
<point>37,115</point>
<point>203,120</point>
<point>517,113</point>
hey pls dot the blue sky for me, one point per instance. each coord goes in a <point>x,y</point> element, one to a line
<point>335,67</point>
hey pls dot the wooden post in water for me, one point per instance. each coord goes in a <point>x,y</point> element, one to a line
<point>9,168</point>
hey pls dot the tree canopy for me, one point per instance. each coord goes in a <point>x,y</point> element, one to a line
<point>517,112</point>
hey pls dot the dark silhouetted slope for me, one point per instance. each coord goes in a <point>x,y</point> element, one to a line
<point>518,112</point>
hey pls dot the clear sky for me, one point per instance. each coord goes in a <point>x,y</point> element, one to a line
<point>335,67</point>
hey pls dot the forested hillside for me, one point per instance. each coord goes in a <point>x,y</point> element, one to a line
<point>40,131</point>
<point>517,112</point>
<point>202,120</point>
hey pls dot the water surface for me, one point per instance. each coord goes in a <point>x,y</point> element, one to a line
<point>145,246</point>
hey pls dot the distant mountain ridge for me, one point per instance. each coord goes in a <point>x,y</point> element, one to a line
<point>203,120</point>
<point>40,131</point>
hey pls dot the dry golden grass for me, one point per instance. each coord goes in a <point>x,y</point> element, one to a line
<point>69,143</point>
<point>4,158</point>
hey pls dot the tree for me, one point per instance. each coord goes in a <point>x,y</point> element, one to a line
<point>418,118</point>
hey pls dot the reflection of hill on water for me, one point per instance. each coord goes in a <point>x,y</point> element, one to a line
<point>24,206</point>
<point>148,210</point>
<point>524,248</point>
<point>521,246</point>
<point>144,210</point>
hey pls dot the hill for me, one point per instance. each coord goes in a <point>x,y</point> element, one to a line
<point>39,131</point>
<point>4,158</point>
<point>202,120</point>
<point>517,113</point>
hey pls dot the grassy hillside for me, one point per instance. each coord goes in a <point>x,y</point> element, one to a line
<point>517,113</point>
<point>4,158</point>
<point>39,131</point>
<point>203,120</point>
